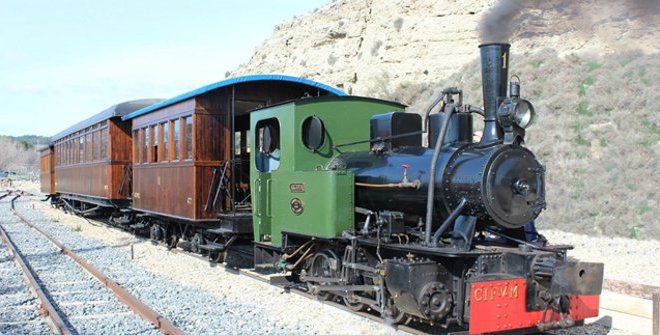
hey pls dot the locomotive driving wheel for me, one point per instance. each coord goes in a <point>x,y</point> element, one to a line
<point>351,301</point>
<point>393,316</point>
<point>324,264</point>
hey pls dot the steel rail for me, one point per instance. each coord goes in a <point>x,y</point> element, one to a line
<point>46,308</point>
<point>13,200</point>
<point>122,294</point>
<point>4,195</point>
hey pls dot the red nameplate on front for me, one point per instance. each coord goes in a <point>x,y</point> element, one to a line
<point>499,305</point>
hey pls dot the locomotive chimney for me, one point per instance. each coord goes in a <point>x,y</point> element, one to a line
<point>494,75</point>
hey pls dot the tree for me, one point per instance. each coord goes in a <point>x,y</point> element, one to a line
<point>18,157</point>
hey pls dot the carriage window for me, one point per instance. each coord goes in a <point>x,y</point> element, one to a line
<point>74,150</point>
<point>154,146</point>
<point>241,142</point>
<point>99,139</point>
<point>176,142</point>
<point>189,135</point>
<point>97,145</point>
<point>145,147</point>
<point>166,141</point>
<point>136,146</point>
<point>104,144</point>
<point>88,147</point>
<point>247,141</point>
<point>237,143</point>
<point>268,145</point>
<point>81,148</point>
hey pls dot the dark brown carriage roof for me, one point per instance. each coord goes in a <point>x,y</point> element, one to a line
<point>275,78</point>
<point>117,110</point>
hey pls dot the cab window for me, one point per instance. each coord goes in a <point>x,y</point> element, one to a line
<point>268,145</point>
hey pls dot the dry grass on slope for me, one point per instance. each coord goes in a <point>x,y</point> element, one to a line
<point>597,133</point>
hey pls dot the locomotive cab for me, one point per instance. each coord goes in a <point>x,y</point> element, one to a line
<point>291,145</point>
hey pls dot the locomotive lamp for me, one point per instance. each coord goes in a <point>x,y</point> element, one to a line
<point>515,114</point>
<point>524,113</point>
<point>516,111</point>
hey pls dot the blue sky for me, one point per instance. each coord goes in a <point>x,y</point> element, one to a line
<point>62,61</point>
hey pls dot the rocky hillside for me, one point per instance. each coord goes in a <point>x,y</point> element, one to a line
<point>590,68</point>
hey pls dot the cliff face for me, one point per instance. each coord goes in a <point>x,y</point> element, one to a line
<point>590,68</point>
<point>357,44</point>
<point>353,43</point>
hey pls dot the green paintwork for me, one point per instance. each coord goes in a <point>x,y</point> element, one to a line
<point>327,203</point>
<point>261,215</point>
<point>328,196</point>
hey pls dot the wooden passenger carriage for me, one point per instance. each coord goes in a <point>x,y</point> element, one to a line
<point>92,159</point>
<point>190,153</point>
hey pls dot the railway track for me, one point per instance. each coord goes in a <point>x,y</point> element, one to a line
<point>74,297</point>
<point>20,312</point>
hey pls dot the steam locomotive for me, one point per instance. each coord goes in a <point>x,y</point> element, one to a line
<point>340,195</point>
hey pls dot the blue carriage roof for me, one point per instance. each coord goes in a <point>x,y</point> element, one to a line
<point>235,81</point>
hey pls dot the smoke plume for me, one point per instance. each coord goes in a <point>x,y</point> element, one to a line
<point>497,24</point>
<point>505,19</point>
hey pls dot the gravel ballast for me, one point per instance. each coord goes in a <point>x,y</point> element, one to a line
<point>85,304</point>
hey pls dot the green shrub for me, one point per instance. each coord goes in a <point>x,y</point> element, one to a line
<point>583,108</point>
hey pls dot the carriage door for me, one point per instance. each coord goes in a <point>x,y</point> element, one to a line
<point>267,161</point>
